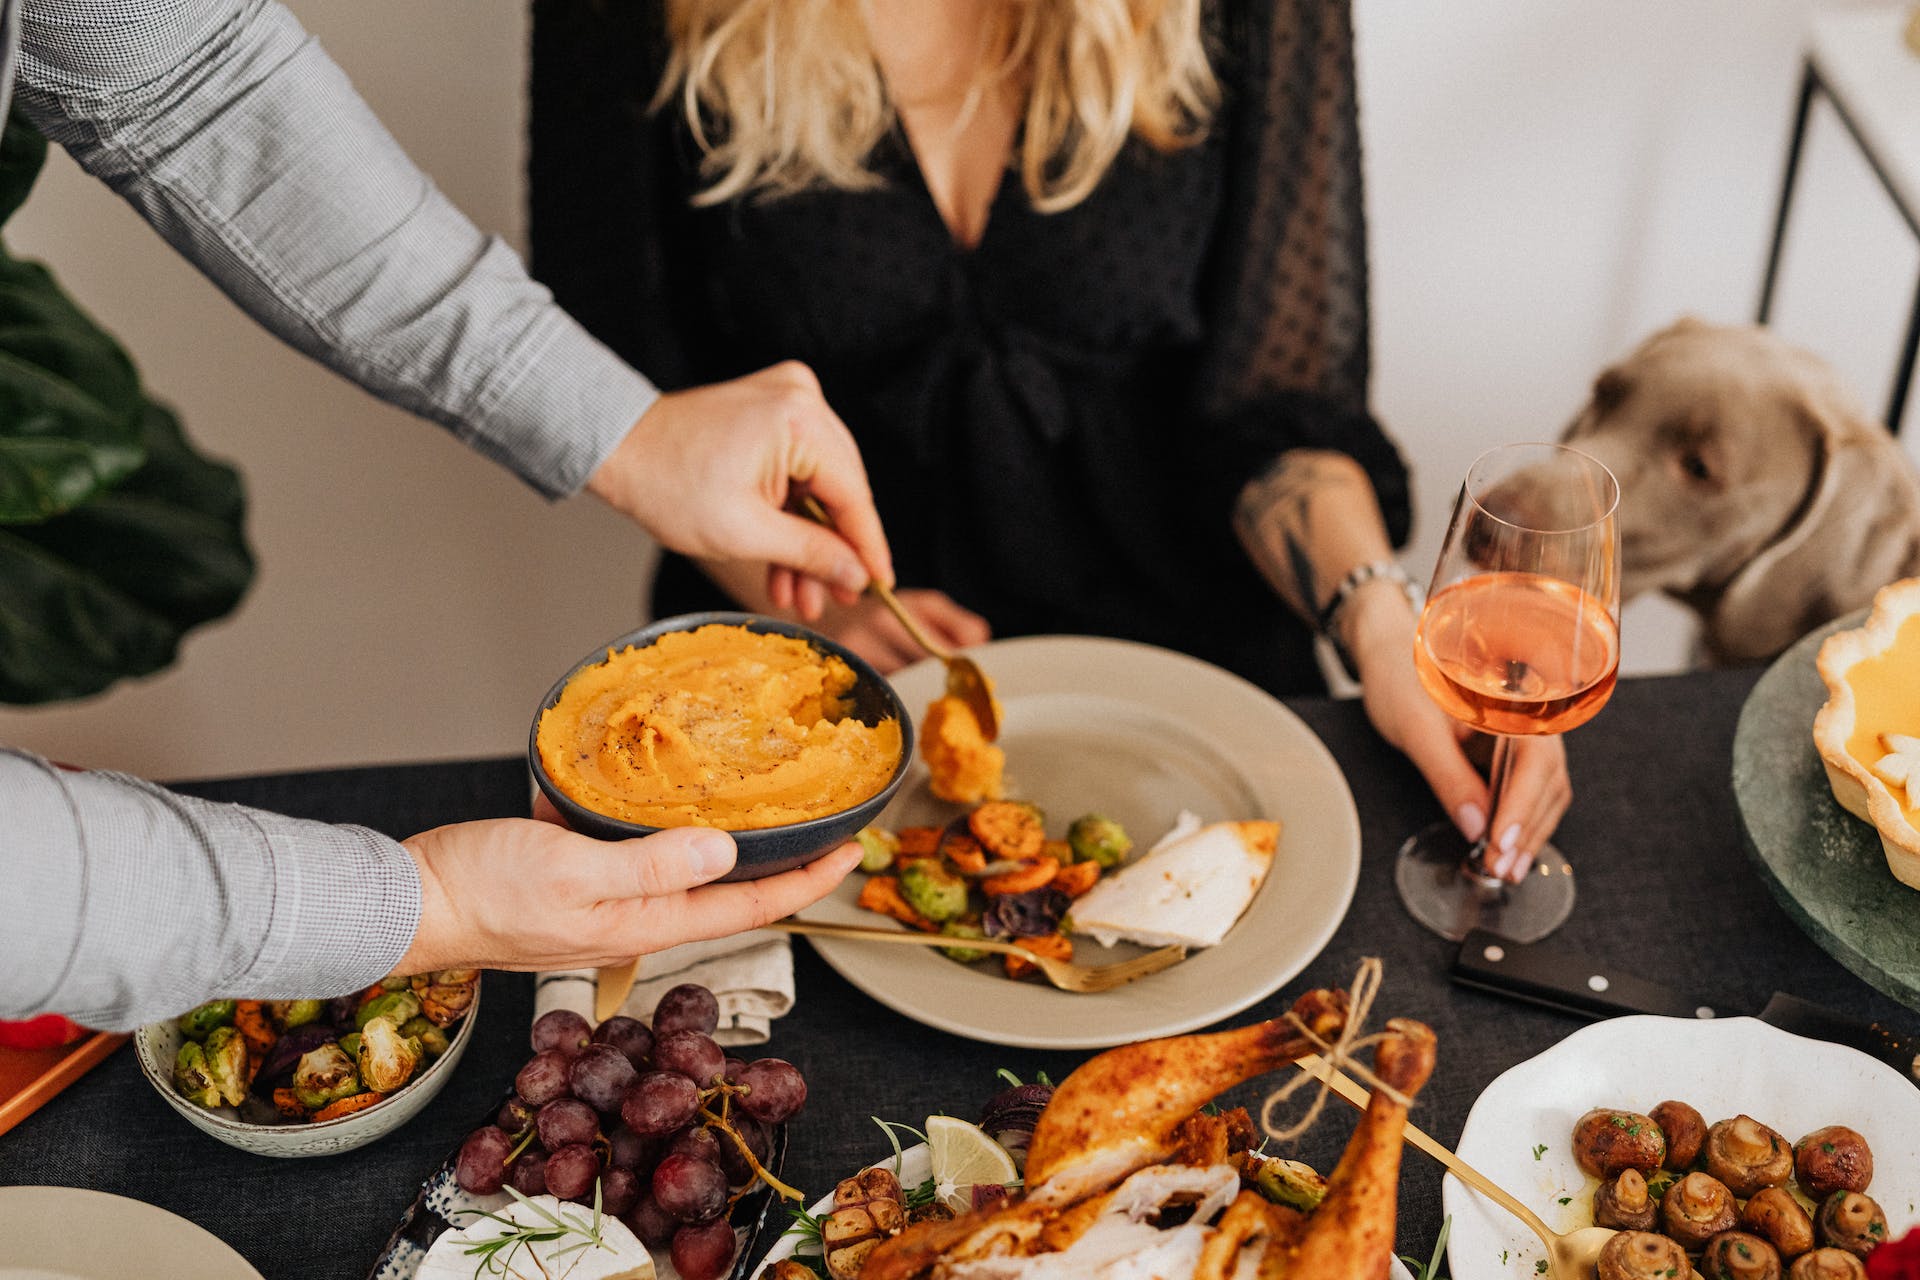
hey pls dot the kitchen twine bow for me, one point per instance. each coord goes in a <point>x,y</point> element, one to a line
<point>1338,1056</point>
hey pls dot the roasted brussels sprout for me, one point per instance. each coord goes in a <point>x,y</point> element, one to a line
<point>1776,1217</point>
<point>215,1073</point>
<point>1685,1131</point>
<point>1100,839</point>
<point>1832,1159</point>
<point>877,848</point>
<point>395,1006</point>
<point>387,1058</point>
<point>961,929</point>
<point>432,1038</point>
<point>198,1023</point>
<point>1698,1208</point>
<point>1288,1182</point>
<point>1828,1264</point>
<point>1747,1156</point>
<point>350,1044</point>
<point>1607,1141</point>
<point>1850,1221</point>
<point>932,890</point>
<point>1641,1255</point>
<point>325,1075</point>
<point>288,1014</point>
<point>1624,1203</point>
<point>1736,1255</point>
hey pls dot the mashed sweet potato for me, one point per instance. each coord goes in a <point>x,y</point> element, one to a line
<point>962,765</point>
<point>717,727</point>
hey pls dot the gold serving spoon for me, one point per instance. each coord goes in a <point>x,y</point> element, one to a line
<point>965,680</point>
<point>1569,1257</point>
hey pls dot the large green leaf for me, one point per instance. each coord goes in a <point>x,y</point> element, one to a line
<point>107,590</point>
<point>115,536</point>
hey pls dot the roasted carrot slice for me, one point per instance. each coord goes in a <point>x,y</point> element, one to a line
<point>966,855</point>
<point>1055,946</point>
<point>288,1105</point>
<point>882,894</point>
<point>347,1106</point>
<point>250,1017</point>
<point>1034,875</point>
<point>918,842</point>
<point>1077,879</point>
<point>1008,829</point>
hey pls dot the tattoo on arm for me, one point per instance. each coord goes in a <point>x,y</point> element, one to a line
<point>1275,519</point>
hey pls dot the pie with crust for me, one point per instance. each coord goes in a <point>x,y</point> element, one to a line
<point>1868,732</point>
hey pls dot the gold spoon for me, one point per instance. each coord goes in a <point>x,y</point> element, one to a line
<point>965,680</point>
<point>1569,1257</point>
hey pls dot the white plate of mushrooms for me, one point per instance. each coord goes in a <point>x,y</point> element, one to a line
<point>1772,1089</point>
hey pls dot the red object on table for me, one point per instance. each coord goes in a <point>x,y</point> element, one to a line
<point>48,1031</point>
<point>1896,1259</point>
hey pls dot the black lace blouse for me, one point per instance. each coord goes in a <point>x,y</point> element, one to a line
<point>1056,421</point>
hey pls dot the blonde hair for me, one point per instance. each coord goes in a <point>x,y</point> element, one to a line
<point>785,95</point>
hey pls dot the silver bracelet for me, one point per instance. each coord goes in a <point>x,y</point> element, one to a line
<point>1360,576</point>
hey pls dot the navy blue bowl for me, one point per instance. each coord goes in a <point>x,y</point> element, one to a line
<point>763,851</point>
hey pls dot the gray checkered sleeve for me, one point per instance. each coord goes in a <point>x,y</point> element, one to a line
<point>128,903</point>
<point>230,130</point>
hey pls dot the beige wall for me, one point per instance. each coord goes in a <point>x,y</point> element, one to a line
<point>1547,184</point>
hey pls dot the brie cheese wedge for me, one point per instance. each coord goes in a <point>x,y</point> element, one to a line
<point>572,1255</point>
<point>1188,890</point>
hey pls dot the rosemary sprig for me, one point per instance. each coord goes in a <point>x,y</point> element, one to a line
<point>496,1254</point>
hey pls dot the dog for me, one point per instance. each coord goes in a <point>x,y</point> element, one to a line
<point>1754,488</point>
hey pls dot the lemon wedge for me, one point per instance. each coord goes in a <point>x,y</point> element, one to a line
<point>965,1157</point>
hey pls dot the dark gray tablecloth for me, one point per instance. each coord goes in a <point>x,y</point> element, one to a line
<point>1666,891</point>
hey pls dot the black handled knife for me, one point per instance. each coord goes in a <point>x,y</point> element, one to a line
<point>1546,974</point>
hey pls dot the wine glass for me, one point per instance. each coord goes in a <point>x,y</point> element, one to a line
<point>1520,635</point>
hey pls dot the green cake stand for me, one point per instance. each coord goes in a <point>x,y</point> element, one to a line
<point>1825,866</point>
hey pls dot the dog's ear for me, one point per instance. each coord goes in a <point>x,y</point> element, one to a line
<point>1611,389</point>
<point>1850,535</point>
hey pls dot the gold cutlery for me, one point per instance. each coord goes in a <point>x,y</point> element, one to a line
<point>1061,973</point>
<point>965,680</point>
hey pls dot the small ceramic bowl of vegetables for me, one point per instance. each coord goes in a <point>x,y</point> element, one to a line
<point>313,1077</point>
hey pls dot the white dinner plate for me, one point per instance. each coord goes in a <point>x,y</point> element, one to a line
<point>914,1166</point>
<point>1137,733</point>
<point>1722,1068</point>
<point>64,1233</point>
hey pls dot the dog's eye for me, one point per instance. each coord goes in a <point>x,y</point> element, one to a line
<point>1695,465</point>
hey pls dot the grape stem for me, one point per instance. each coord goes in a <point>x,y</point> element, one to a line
<point>718,1120</point>
<point>526,1140</point>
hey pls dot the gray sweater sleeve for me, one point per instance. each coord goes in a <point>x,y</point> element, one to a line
<point>128,903</point>
<point>230,130</point>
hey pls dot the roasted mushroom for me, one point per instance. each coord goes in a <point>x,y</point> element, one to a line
<point>1828,1264</point>
<point>1685,1131</point>
<point>1832,1159</point>
<point>1776,1217</point>
<point>1747,1156</point>
<point>1736,1255</point>
<point>1851,1221</point>
<point>1641,1255</point>
<point>1698,1208</point>
<point>867,1209</point>
<point>1606,1141</point>
<point>1624,1203</point>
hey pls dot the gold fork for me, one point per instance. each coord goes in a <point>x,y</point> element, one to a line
<point>1063,974</point>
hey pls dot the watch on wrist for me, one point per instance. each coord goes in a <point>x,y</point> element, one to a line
<point>1328,623</point>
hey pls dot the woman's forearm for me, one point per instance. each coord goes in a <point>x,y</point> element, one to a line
<point>1307,522</point>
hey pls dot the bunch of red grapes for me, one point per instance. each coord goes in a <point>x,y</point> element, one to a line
<point>657,1117</point>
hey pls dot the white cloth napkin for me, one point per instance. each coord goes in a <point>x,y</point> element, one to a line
<point>750,974</point>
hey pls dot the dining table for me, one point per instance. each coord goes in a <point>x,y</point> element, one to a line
<point>1667,890</point>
